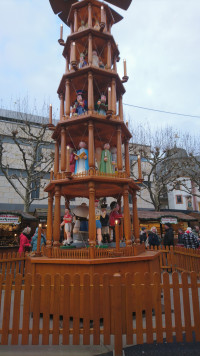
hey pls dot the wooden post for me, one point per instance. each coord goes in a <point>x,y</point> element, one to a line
<point>89,15</point>
<point>109,55</point>
<point>71,27</point>
<point>119,149</point>
<point>56,222</point>
<point>90,94</point>
<point>127,221</point>
<point>50,114</point>
<point>91,145</point>
<point>38,253</point>
<point>136,225</point>
<point>49,221</point>
<point>117,238</point>
<point>120,108</point>
<point>75,21</point>
<point>115,65</point>
<point>113,91</point>
<point>90,50</point>
<point>66,65</point>
<point>63,149</point>
<point>127,160</point>
<point>68,159</point>
<point>56,159</point>
<point>92,220</point>
<point>67,97</point>
<point>51,174</point>
<point>61,106</point>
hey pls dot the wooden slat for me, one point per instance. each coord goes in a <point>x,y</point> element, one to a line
<point>96,314</point>
<point>26,309</point>
<point>186,307</point>
<point>1,282</point>
<point>46,312</point>
<point>4,265</point>
<point>129,311</point>
<point>106,309</point>
<point>6,310</point>
<point>56,309</point>
<point>195,303</point>
<point>86,309</point>
<point>148,307</point>
<point>16,309</point>
<point>177,307</point>
<point>13,264</point>
<point>76,309</point>
<point>66,309</point>
<point>138,301</point>
<point>117,305</point>
<point>158,308</point>
<point>36,309</point>
<point>167,303</point>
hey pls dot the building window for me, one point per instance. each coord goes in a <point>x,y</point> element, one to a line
<point>179,199</point>
<point>177,186</point>
<point>35,194</point>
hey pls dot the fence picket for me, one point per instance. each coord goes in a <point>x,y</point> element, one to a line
<point>46,312</point>
<point>129,312</point>
<point>86,309</point>
<point>1,282</point>
<point>158,308</point>
<point>6,310</point>
<point>195,305</point>
<point>56,309</point>
<point>148,307</point>
<point>106,309</point>
<point>186,306</point>
<point>26,309</point>
<point>177,307</point>
<point>138,301</point>
<point>66,309</point>
<point>76,309</point>
<point>16,309</point>
<point>117,309</point>
<point>167,303</point>
<point>36,309</point>
<point>96,301</point>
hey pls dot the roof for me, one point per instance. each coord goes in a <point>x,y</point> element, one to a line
<point>157,215</point>
<point>25,216</point>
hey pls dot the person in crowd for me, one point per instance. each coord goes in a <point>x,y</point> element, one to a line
<point>35,239</point>
<point>114,215</point>
<point>190,240</point>
<point>180,236</point>
<point>23,239</point>
<point>169,235</point>
<point>196,231</point>
<point>153,237</point>
<point>143,234</point>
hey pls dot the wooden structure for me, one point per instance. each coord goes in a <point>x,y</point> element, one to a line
<point>91,22</point>
<point>130,307</point>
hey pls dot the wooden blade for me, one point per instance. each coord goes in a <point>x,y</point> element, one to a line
<point>61,5</point>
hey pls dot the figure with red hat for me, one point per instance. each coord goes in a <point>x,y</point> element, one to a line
<point>80,103</point>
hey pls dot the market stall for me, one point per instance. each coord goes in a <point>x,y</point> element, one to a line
<point>11,225</point>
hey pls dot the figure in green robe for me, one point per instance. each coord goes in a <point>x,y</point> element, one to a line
<point>106,160</point>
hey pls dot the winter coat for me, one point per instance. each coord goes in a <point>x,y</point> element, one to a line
<point>190,240</point>
<point>153,239</point>
<point>169,237</point>
<point>143,237</point>
<point>34,240</point>
<point>23,242</point>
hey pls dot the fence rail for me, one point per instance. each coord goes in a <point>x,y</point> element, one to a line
<point>88,311</point>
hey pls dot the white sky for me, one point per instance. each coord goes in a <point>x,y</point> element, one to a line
<point>160,40</point>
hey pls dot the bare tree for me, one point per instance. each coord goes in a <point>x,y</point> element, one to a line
<point>25,154</point>
<point>164,163</point>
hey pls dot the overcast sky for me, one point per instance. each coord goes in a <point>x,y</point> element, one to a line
<point>160,40</point>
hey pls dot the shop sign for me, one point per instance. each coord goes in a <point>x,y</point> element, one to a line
<point>169,220</point>
<point>9,219</point>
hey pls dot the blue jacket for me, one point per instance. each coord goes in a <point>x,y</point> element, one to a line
<point>34,240</point>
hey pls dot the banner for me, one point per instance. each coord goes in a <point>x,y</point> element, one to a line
<point>9,219</point>
<point>169,220</point>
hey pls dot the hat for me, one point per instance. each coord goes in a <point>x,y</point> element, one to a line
<point>113,205</point>
<point>189,229</point>
<point>79,92</point>
<point>104,205</point>
<point>143,228</point>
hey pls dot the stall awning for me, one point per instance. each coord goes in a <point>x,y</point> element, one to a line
<point>23,215</point>
<point>159,215</point>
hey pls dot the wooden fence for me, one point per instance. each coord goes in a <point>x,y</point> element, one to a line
<point>12,263</point>
<point>87,311</point>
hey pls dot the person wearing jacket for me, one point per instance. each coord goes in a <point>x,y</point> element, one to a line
<point>153,237</point>
<point>23,239</point>
<point>169,235</point>
<point>35,238</point>
<point>190,240</point>
<point>143,235</point>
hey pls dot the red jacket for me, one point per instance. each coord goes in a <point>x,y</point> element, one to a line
<point>114,215</point>
<point>24,241</point>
